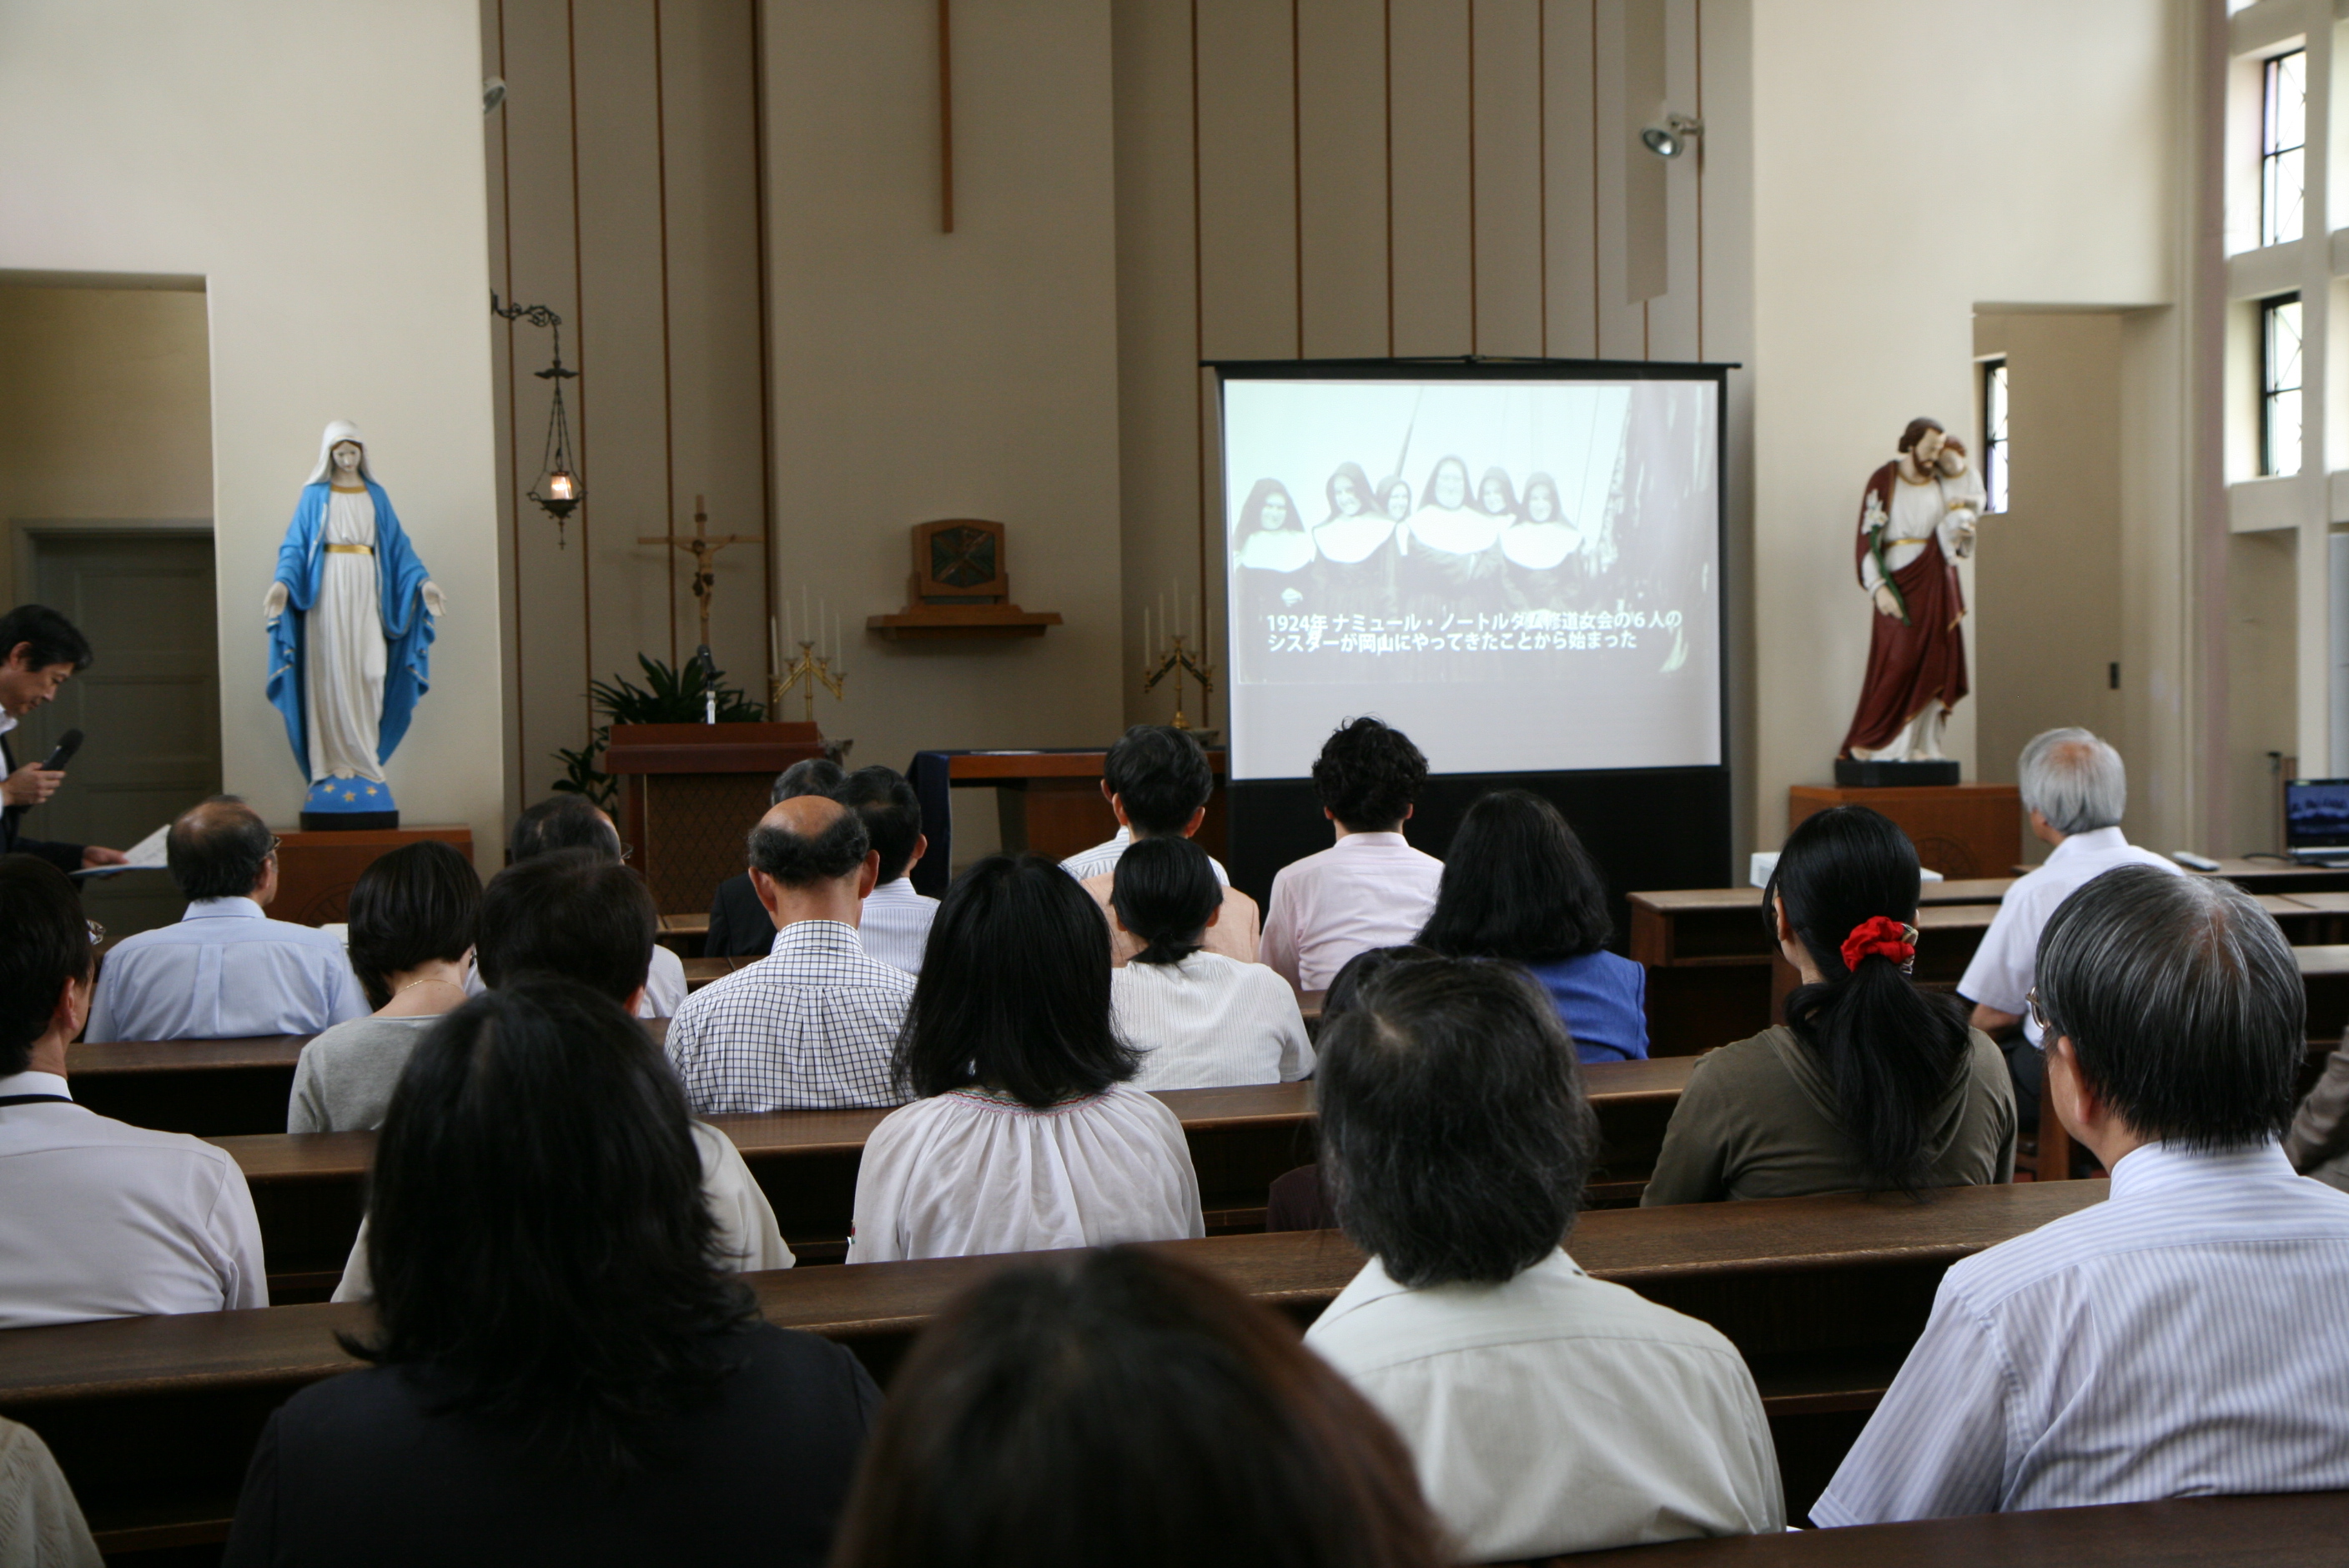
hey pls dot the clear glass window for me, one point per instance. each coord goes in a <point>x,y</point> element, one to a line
<point>1993,471</point>
<point>2280,385</point>
<point>2283,138</point>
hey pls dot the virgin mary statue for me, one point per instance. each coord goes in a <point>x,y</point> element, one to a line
<point>350,627</point>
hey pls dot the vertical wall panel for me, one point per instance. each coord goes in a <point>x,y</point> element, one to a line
<point>1570,77</point>
<point>1248,180</point>
<point>1434,276</point>
<point>1622,316</point>
<point>1508,114</point>
<point>1672,315</point>
<point>1342,76</point>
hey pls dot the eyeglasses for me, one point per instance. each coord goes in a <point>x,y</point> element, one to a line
<point>97,931</point>
<point>2038,1017</point>
<point>627,854</point>
<point>274,842</point>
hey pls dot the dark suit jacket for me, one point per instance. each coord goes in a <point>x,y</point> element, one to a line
<point>739,926</point>
<point>65,857</point>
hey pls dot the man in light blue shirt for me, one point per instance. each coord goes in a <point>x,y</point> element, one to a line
<point>2185,1336</point>
<point>226,971</point>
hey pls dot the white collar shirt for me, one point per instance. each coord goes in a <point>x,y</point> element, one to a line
<point>225,972</point>
<point>895,923</point>
<point>1102,858</point>
<point>665,984</point>
<point>2002,974</point>
<point>1209,1022</point>
<point>2182,1339</point>
<point>1366,890</point>
<point>102,1218</point>
<point>1557,1413</point>
<point>811,1026</point>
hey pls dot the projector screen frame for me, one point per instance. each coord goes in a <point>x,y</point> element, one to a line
<point>1267,827</point>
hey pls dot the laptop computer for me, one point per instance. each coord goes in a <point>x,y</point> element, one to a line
<point>2316,821</point>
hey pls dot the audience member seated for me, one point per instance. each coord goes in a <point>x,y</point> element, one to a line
<point>2185,1336</point>
<point>739,926</point>
<point>1117,1409</point>
<point>1298,1201</point>
<point>1547,1412</point>
<point>1370,889</point>
<point>1024,1134</point>
<point>575,915</point>
<point>2077,789</point>
<point>413,915</point>
<point>2318,1144</point>
<point>1158,783</point>
<point>41,1524</point>
<point>1200,1019</point>
<point>1872,1082</point>
<point>98,1219</point>
<point>1519,884</point>
<point>226,971</point>
<point>896,921</point>
<point>811,1026</point>
<point>565,1370</point>
<point>575,822</point>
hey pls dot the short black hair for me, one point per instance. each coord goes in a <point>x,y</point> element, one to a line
<point>796,859</point>
<point>418,902</point>
<point>49,944</point>
<point>53,639</point>
<point>1160,775</point>
<point>1454,1135</point>
<point>1357,972</point>
<point>809,776</point>
<point>572,914</point>
<point>1116,1406</point>
<point>1369,775</point>
<point>1518,883</point>
<point>1163,890</point>
<point>2183,1003</point>
<point>537,1209</point>
<point>562,823</point>
<point>890,812</point>
<point>1014,989</point>
<point>217,850</point>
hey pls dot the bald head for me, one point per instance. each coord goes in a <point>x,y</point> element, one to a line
<point>811,860</point>
<point>221,849</point>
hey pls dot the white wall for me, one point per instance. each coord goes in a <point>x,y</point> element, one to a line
<point>318,164</point>
<point>2028,155</point>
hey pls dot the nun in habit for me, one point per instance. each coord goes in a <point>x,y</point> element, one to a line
<point>1451,563</point>
<point>1355,575</point>
<point>1272,547</point>
<point>1536,547</point>
<point>349,616</point>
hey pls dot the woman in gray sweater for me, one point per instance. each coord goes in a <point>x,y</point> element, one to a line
<point>413,915</point>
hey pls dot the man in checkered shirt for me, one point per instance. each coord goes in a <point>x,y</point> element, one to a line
<point>811,1025</point>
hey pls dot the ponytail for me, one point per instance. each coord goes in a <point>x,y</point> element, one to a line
<point>1165,890</point>
<point>1847,881</point>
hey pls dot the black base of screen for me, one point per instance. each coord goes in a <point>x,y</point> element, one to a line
<point>1649,828</point>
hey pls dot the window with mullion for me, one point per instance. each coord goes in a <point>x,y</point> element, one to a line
<point>2280,450</point>
<point>2283,138</point>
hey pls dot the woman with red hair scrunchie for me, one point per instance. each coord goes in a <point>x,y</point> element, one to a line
<point>1872,1083</point>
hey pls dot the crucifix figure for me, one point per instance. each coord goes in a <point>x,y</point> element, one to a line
<point>703,549</point>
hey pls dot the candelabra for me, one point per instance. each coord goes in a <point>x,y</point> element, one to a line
<point>805,674</point>
<point>1178,661</point>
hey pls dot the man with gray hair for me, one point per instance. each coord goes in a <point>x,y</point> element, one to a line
<point>2183,1338</point>
<point>812,1026</point>
<point>2075,790</point>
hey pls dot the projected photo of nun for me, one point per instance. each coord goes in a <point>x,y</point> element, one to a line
<point>1538,545</point>
<point>1271,549</point>
<point>1355,572</point>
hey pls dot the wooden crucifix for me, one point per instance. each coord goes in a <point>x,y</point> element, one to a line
<point>703,549</point>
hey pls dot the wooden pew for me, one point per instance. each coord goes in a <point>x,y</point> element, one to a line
<point>152,1419</point>
<point>307,1187</point>
<point>2287,1530</point>
<point>203,1087</point>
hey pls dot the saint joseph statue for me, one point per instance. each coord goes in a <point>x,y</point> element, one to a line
<point>348,662</point>
<point>1916,520</point>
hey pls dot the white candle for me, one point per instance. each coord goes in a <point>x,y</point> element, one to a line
<point>804,614</point>
<point>775,647</point>
<point>1195,620</point>
<point>787,623</point>
<point>1147,646</point>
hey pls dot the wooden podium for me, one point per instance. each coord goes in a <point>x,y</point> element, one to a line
<point>689,793</point>
<point>1961,831</point>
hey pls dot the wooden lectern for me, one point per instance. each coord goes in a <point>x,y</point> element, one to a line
<point>689,793</point>
<point>1961,831</point>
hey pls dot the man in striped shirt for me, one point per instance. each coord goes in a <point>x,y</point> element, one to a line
<point>2185,1338</point>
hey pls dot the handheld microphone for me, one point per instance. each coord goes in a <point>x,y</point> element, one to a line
<point>67,744</point>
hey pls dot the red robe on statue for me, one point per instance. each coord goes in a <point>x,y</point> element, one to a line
<point>1912,666</point>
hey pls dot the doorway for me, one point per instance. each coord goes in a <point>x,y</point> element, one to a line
<point>148,707</point>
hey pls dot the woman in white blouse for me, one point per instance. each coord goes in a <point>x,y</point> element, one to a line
<point>1025,1135</point>
<point>1200,1019</point>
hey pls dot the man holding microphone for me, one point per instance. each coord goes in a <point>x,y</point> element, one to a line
<point>42,650</point>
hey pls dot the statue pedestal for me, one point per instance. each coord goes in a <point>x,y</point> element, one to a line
<point>1961,831</point>
<point>1852,774</point>
<point>315,871</point>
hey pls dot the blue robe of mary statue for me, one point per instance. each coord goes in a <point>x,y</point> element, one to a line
<point>349,656</point>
